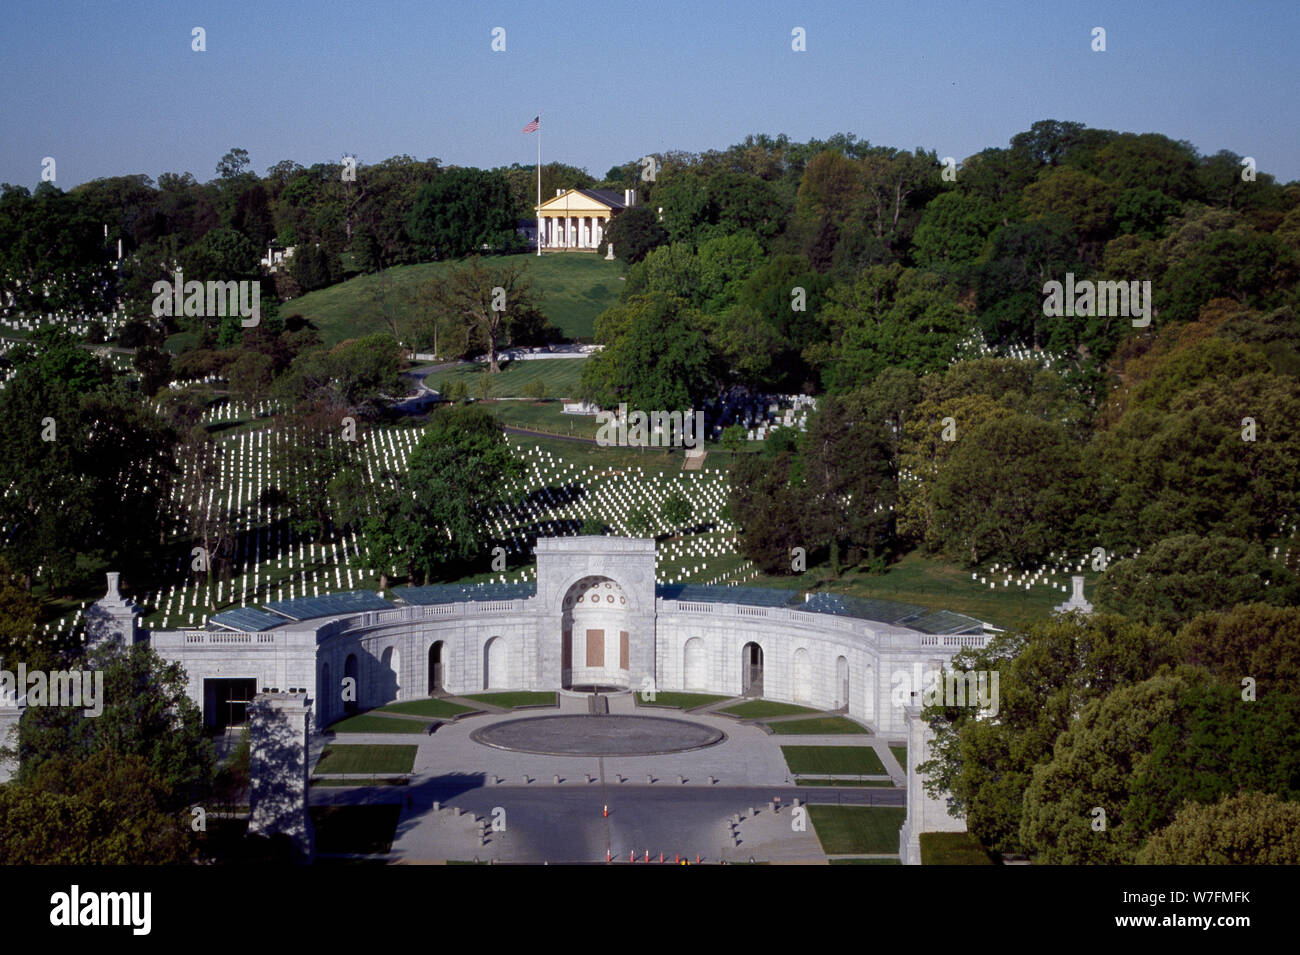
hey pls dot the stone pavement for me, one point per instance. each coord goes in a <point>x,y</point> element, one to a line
<point>553,807</point>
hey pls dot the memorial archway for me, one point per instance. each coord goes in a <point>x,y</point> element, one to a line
<point>596,646</point>
<point>435,667</point>
<point>751,670</point>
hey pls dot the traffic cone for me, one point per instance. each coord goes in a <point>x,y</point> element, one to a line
<point>661,858</point>
<point>647,855</point>
<point>608,856</point>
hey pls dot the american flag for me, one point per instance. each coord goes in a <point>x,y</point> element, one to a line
<point>534,125</point>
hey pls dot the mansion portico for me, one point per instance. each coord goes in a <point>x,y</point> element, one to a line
<point>578,218</point>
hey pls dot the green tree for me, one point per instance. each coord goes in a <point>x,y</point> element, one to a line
<point>1246,829</point>
<point>952,230</point>
<point>461,211</point>
<point>851,481</point>
<point>1145,750</point>
<point>677,510</point>
<point>634,232</point>
<point>497,304</point>
<point>105,809</point>
<point>457,474</point>
<point>1250,640</point>
<point>733,437</point>
<point>233,164</point>
<point>1092,768</point>
<point>356,377</point>
<point>221,255</point>
<point>656,358</point>
<point>1009,491</point>
<point>767,501</point>
<point>640,522</point>
<point>1187,575</point>
<point>313,451</point>
<point>889,317</point>
<point>1084,200</point>
<point>19,611</point>
<point>314,267</point>
<point>1143,212</point>
<point>146,713</point>
<point>1046,675</point>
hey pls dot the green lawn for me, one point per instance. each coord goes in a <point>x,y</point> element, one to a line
<point>900,754</point>
<point>355,828</point>
<point>757,709</point>
<point>582,454</point>
<point>823,724</point>
<point>684,701</point>
<point>380,781</point>
<point>893,861</point>
<point>518,698</point>
<point>366,759</point>
<point>939,584</point>
<point>545,416</point>
<point>952,848</point>
<point>876,783</point>
<point>560,375</point>
<point>831,760</point>
<point>368,723</point>
<point>574,289</point>
<point>430,707</point>
<point>857,829</point>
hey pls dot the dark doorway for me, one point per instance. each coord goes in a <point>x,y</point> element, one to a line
<point>751,666</point>
<point>226,701</point>
<point>435,668</point>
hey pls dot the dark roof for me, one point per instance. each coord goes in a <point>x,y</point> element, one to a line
<point>454,593</point>
<point>709,594</point>
<point>912,616</point>
<point>246,620</point>
<point>327,605</point>
<point>611,197</point>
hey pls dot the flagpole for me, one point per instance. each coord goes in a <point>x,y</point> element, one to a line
<point>539,185</point>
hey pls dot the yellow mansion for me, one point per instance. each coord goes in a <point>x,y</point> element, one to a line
<point>577,218</point>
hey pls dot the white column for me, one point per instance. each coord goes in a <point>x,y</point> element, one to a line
<point>585,241</point>
<point>600,231</point>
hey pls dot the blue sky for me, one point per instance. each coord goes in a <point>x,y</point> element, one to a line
<point>114,88</point>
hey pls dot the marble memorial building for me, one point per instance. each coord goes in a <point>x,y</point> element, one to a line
<point>596,617</point>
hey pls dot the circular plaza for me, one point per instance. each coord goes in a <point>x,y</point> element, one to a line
<point>603,735</point>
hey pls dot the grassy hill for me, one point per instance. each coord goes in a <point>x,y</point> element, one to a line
<point>575,288</point>
<point>560,375</point>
